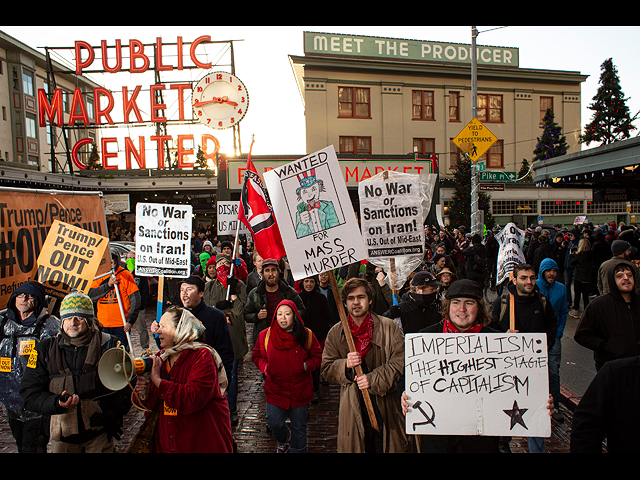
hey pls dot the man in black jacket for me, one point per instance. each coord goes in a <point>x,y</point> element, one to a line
<point>533,313</point>
<point>62,381</point>
<point>610,325</point>
<point>419,307</point>
<point>476,262</point>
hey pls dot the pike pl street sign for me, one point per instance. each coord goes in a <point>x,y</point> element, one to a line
<point>489,176</point>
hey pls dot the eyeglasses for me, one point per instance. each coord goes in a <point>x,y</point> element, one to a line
<point>25,296</point>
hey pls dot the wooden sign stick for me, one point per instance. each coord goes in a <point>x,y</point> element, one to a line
<point>352,346</point>
<point>512,307</point>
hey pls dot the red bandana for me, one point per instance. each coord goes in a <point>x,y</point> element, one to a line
<point>451,328</point>
<point>362,335</point>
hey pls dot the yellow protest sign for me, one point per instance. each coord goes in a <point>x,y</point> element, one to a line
<point>475,139</point>
<point>69,259</point>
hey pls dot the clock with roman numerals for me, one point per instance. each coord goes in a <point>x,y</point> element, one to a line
<point>220,100</point>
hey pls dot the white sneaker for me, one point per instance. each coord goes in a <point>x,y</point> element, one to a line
<point>574,313</point>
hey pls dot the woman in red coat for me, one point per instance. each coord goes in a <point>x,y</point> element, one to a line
<point>287,353</point>
<point>186,387</point>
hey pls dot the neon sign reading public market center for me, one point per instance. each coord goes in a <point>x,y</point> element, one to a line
<point>139,62</point>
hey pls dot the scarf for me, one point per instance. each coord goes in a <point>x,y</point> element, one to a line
<point>449,327</point>
<point>189,329</point>
<point>223,273</point>
<point>282,340</point>
<point>362,335</point>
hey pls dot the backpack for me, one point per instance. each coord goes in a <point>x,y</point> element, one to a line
<point>309,338</point>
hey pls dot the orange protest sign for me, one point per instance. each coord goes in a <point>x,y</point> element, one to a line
<point>69,259</point>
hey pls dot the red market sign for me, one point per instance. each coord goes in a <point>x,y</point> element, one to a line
<point>139,62</point>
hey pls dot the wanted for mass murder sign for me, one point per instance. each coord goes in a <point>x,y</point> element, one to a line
<point>163,239</point>
<point>511,240</point>
<point>314,213</point>
<point>69,259</point>
<point>493,384</point>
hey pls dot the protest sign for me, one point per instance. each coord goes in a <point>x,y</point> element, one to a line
<point>26,217</point>
<point>493,384</point>
<point>227,219</point>
<point>393,206</point>
<point>511,240</point>
<point>69,259</point>
<point>314,213</point>
<point>163,239</point>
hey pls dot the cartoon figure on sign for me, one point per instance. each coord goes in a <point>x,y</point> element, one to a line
<point>312,214</point>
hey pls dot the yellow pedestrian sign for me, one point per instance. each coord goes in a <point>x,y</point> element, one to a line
<point>475,139</point>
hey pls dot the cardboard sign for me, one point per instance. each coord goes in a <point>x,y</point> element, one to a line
<point>227,219</point>
<point>391,215</point>
<point>511,240</point>
<point>69,259</point>
<point>25,221</point>
<point>314,213</point>
<point>163,239</point>
<point>493,384</point>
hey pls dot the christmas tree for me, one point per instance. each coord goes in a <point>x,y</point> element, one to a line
<point>611,120</point>
<point>552,143</point>
<point>460,209</point>
<point>524,175</point>
<point>201,162</point>
<point>94,162</point>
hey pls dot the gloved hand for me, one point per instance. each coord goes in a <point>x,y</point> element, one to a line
<point>232,282</point>
<point>394,311</point>
<point>224,304</point>
<point>110,422</point>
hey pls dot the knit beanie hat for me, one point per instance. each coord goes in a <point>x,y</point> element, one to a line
<point>77,304</point>
<point>618,247</point>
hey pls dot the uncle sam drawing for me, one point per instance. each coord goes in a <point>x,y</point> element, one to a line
<point>312,214</point>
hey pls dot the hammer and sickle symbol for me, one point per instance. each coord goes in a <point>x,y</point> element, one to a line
<point>430,419</point>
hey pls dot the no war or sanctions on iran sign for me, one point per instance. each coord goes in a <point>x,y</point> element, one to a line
<point>493,384</point>
<point>314,213</point>
<point>163,239</point>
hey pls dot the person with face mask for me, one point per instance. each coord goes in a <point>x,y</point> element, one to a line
<point>419,307</point>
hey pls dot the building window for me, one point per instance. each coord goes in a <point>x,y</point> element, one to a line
<point>494,156</point>
<point>454,106</point>
<point>31,127</point>
<point>546,103</point>
<point>561,207</point>
<point>355,145</point>
<point>424,146</point>
<point>422,103</point>
<point>513,207</point>
<point>354,102</point>
<point>490,108</point>
<point>27,83</point>
<point>455,154</point>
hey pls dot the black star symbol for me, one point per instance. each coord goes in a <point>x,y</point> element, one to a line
<point>516,415</point>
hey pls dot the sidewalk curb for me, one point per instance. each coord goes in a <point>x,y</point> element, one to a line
<point>569,399</point>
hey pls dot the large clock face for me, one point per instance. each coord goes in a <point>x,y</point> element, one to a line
<point>220,100</point>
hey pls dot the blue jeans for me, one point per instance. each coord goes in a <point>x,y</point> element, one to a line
<point>297,436</point>
<point>232,389</point>
<point>554,371</point>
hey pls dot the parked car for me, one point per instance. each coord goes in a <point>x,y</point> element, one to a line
<point>123,248</point>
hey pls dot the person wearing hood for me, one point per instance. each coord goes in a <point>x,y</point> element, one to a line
<point>601,251</point>
<point>23,324</point>
<point>476,264</point>
<point>419,307</point>
<point>533,313</point>
<point>287,353</point>
<point>556,293</point>
<point>610,325</point>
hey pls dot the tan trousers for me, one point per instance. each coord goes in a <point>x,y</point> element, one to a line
<point>100,444</point>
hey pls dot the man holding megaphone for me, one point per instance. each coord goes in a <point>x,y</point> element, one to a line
<point>62,380</point>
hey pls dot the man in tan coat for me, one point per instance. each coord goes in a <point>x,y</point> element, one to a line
<point>380,352</point>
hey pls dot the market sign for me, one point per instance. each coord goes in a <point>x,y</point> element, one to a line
<point>399,49</point>
<point>130,105</point>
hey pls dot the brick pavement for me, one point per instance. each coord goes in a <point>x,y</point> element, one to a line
<point>251,435</point>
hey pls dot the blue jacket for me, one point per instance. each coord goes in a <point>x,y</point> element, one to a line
<point>556,293</point>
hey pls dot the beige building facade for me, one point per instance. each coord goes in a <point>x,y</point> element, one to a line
<point>381,96</point>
